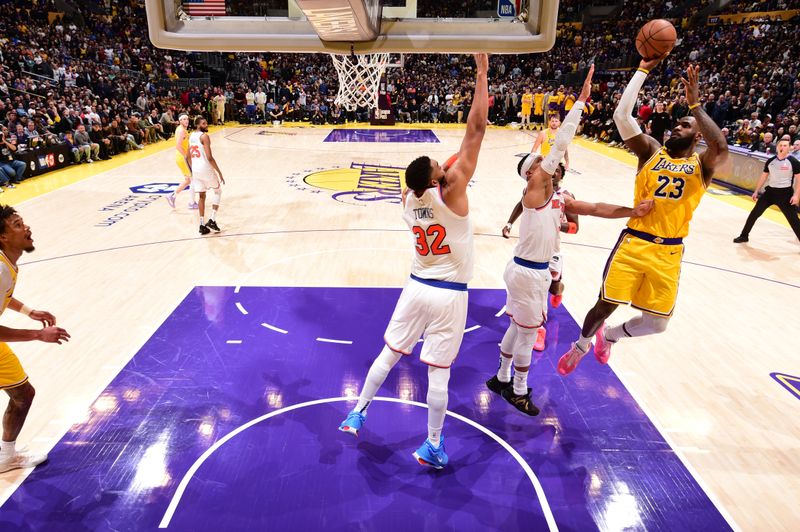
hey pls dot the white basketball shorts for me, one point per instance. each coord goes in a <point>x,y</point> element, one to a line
<point>204,181</point>
<point>527,289</point>
<point>556,266</point>
<point>437,314</point>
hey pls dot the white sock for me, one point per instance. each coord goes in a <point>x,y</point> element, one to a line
<point>7,449</point>
<point>520,382</point>
<point>377,374</point>
<point>437,402</point>
<point>613,334</point>
<point>583,343</point>
<point>213,215</point>
<point>202,221</point>
<point>522,359</point>
<point>504,372</point>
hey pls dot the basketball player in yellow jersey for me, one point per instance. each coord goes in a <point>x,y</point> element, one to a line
<point>527,103</point>
<point>644,267</point>
<point>538,105</point>
<point>547,137</point>
<point>15,238</point>
<point>181,156</point>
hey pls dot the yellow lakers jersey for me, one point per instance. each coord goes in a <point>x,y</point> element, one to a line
<point>538,102</point>
<point>549,140</point>
<point>13,273</point>
<point>676,186</point>
<point>527,100</point>
<point>185,142</point>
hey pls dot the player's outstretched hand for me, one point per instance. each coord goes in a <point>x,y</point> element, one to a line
<point>507,231</point>
<point>482,63</point>
<point>650,64</point>
<point>45,317</point>
<point>755,196</point>
<point>643,208</point>
<point>586,91</point>
<point>691,84</point>
<point>54,335</point>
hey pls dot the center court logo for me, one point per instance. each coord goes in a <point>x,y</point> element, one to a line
<point>360,184</point>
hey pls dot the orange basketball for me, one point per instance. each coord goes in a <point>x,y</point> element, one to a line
<point>656,38</point>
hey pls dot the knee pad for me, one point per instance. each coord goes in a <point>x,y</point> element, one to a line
<point>509,339</point>
<point>524,345</point>
<point>657,324</point>
<point>216,194</point>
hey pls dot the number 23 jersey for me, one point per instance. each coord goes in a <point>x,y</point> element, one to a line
<point>676,186</point>
<point>443,240</point>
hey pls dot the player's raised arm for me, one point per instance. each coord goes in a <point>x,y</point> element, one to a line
<point>717,152</point>
<point>464,168</point>
<point>644,146</point>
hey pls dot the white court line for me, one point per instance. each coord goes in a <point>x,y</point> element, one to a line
<point>473,328</point>
<point>502,311</point>
<point>241,308</point>
<point>236,290</point>
<point>332,341</point>
<point>233,342</point>
<point>273,328</point>
<point>66,423</point>
<point>678,452</point>
<point>176,498</point>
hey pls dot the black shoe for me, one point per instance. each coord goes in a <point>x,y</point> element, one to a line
<point>520,402</point>
<point>496,385</point>
<point>211,224</point>
<point>204,230</point>
<point>740,239</point>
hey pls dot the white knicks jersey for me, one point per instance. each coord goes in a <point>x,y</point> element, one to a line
<point>443,240</point>
<point>539,237</point>
<point>200,164</point>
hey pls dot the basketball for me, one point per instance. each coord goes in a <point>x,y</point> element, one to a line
<point>656,38</point>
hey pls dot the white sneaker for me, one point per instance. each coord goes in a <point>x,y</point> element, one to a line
<point>21,461</point>
<point>89,161</point>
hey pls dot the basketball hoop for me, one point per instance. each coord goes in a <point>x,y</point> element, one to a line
<point>359,79</point>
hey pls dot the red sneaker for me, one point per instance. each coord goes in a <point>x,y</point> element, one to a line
<point>602,347</point>
<point>555,300</point>
<point>570,360</point>
<point>541,335</point>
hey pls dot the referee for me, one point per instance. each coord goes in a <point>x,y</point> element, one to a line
<point>778,173</point>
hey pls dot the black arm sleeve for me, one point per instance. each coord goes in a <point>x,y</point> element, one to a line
<point>795,165</point>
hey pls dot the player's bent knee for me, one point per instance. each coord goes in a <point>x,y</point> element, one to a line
<point>22,396</point>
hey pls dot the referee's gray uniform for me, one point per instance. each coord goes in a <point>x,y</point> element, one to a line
<point>777,192</point>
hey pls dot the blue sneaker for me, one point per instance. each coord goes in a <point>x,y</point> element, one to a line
<point>353,423</point>
<point>430,456</point>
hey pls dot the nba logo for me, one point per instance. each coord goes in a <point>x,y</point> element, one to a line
<point>508,8</point>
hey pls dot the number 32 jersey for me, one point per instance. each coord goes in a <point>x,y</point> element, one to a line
<point>676,186</point>
<point>443,240</point>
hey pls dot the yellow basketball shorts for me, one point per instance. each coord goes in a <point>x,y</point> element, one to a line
<point>11,372</point>
<point>643,274</point>
<point>181,162</point>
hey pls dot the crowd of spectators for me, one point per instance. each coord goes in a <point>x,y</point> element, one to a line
<point>94,83</point>
<point>749,6</point>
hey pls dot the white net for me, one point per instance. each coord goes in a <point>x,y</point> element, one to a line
<point>359,79</point>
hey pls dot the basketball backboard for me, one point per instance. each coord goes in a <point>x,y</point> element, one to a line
<point>404,26</point>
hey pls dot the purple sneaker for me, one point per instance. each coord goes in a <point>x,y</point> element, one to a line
<point>171,200</point>
<point>193,205</point>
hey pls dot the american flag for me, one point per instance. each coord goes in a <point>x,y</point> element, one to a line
<point>204,8</point>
